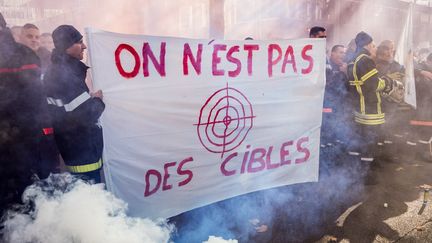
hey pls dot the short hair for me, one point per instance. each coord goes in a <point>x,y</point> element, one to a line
<point>387,43</point>
<point>335,47</point>
<point>30,26</point>
<point>314,30</point>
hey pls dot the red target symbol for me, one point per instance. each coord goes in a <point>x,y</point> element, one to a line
<point>225,120</point>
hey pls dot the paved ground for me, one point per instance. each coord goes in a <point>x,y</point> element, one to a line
<point>392,210</point>
<point>385,205</point>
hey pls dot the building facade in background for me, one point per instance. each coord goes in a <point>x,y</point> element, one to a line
<point>229,19</point>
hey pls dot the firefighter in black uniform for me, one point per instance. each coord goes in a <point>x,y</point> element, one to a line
<point>24,155</point>
<point>334,127</point>
<point>366,88</point>
<point>394,131</point>
<point>75,111</point>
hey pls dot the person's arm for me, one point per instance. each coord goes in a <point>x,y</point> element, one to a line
<point>372,81</point>
<point>87,109</point>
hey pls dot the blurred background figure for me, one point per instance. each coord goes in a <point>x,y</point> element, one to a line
<point>30,37</point>
<point>421,124</point>
<point>46,41</point>
<point>317,32</point>
<point>397,115</point>
<point>334,121</point>
<point>386,64</point>
<point>23,154</point>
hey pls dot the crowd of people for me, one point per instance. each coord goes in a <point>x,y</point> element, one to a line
<point>53,119</point>
<point>48,116</point>
<point>365,118</point>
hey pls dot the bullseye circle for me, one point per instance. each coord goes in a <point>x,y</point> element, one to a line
<point>225,120</point>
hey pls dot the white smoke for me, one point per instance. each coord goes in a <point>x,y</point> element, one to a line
<point>68,210</point>
<point>214,239</point>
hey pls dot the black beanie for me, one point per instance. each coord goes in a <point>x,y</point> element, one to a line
<point>362,39</point>
<point>65,36</point>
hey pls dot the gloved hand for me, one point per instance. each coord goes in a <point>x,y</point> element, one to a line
<point>396,76</point>
<point>395,92</point>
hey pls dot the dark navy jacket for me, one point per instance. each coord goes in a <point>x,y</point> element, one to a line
<point>24,150</point>
<point>335,116</point>
<point>75,114</point>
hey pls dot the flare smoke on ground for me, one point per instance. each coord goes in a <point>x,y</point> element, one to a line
<point>68,210</point>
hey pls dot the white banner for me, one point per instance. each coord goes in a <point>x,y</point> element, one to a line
<point>191,122</point>
<point>405,56</point>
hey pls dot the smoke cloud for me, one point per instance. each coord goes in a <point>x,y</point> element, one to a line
<point>63,209</point>
<point>214,239</point>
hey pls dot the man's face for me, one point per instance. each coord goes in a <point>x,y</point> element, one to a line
<point>47,42</point>
<point>386,52</point>
<point>338,55</point>
<point>30,38</point>
<point>77,50</point>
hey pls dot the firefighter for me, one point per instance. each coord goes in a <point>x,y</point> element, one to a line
<point>366,87</point>
<point>30,37</point>
<point>395,130</point>
<point>334,126</point>
<point>22,117</point>
<point>74,110</point>
<point>421,124</point>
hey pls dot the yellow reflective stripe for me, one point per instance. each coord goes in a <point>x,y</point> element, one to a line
<point>357,83</point>
<point>355,67</point>
<point>369,116</point>
<point>84,168</point>
<point>381,85</point>
<point>370,122</point>
<point>378,103</point>
<point>362,100</point>
<point>369,74</point>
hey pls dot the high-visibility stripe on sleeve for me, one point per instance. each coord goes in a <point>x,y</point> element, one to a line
<point>85,168</point>
<point>369,74</point>
<point>71,105</point>
<point>56,102</point>
<point>381,85</point>
<point>22,68</point>
<point>77,101</point>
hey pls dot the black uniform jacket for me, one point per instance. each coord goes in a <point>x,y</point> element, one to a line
<point>74,112</point>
